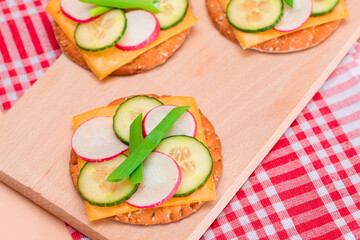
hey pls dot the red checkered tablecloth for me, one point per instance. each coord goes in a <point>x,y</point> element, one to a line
<point>306,188</point>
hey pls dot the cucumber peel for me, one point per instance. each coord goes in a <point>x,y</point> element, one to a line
<point>193,158</point>
<point>95,191</point>
<point>172,12</point>
<point>128,111</point>
<point>106,34</point>
<point>321,8</point>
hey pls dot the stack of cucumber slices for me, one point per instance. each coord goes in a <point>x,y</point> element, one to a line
<point>253,16</point>
<point>177,165</point>
<point>127,31</point>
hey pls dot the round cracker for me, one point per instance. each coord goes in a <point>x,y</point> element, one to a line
<point>146,61</point>
<point>169,214</point>
<point>296,41</point>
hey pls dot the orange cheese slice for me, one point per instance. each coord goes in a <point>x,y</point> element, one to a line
<point>251,39</point>
<point>105,62</point>
<point>205,193</point>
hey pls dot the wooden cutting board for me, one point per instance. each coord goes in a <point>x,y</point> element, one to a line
<point>251,98</point>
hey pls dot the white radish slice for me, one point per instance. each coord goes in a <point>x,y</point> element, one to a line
<point>142,29</point>
<point>161,179</point>
<point>77,11</point>
<point>185,125</point>
<point>295,17</point>
<point>95,141</point>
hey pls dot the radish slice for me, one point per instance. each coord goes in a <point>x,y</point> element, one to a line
<point>142,29</point>
<point>95,141</point>
<point>161,179</point>
<point>295,17</point>
<point>185,125</point>
<point>77,11</point>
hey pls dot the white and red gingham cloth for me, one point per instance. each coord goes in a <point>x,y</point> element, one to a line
<point>306,188</point>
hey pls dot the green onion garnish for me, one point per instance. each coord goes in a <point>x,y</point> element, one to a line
<point>135,140</point>
<point>96,11</point>
<point>147,146</point>
<point>290,2</point>
<point>148,5</point>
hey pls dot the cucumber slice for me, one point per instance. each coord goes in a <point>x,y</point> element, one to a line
<point>101,33</point>
<point>93,188</point>
<point>193,158</point>
<point>254,16</point>
<point>172,12</point>
<point>128,111</point>
<point>322,7</point>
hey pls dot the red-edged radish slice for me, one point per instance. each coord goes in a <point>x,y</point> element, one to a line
<point>142,29</point>
<point>295,17</point>
<point>77,11</point>
<point>185,125</point>
<point>95,141</point>
<point>161,179</point>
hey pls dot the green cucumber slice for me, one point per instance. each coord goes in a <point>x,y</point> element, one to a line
<point>172,12</point>
<point>254,16</point>
<point>128,111</point>
<point>322,7</point>
<point>193,158</point>
<point>93,188</point>
<point>101,33</point>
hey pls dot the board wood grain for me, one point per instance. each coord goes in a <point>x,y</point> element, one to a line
<point>36,222</point>
<point>251,99</point>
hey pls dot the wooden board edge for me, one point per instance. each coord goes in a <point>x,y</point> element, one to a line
<point>237,184</point>
<point>38,199</point>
